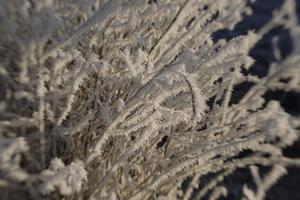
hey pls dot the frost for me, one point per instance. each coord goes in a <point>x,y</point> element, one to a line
<point>66,179</point>
<point>10,158</point>
<point>144,96</point>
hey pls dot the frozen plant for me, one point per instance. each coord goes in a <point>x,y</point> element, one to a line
<point>67,179</point>
<point>136,99</point>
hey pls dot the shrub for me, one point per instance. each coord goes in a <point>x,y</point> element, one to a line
<point>124,99</point>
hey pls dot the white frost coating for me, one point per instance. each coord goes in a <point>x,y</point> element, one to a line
<point>147,94</point>
<point>66,179</point>
<point>10,150</point>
